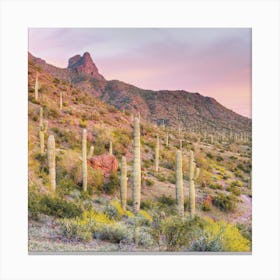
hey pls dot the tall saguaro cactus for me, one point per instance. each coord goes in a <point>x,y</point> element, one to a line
<point>123,190</point>
<point>167,140</point>
<point>194,173</point>
<point>91,151</point>
<point>60,101</point>
<point>157,154</point>
<point>179,184</point>
<point>36,87</point>
<point>84,159</point>
<point>136,166</point>
<point>51,162</point>
<point>43,127</point>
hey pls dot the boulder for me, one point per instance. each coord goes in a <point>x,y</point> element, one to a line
<point>105,163</point>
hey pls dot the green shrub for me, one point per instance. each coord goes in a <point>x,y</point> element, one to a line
<point>58,207</point>
<point>234,190</point>
<point>116,233</point>
<point>142,237</point>
<point>33,204</point>
<point>236,183</point>
<point>112,185</point>
<point>112,212</point>
<point>215,186</point>
<point>225,202</point>
<point>167,200</point>
<point>75,229</point>
<point>149,182</point>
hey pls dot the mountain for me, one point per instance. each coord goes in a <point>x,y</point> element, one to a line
<point>188,110</point>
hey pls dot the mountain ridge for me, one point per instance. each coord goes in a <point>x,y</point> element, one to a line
<point>191,110</point>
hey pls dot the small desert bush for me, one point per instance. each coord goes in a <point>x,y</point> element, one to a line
<point>236,183</point>
<point>112,185</point>
<point>234,190</point>
<point>75,229</point>
<point>116,233</point>
<point>166,200</point>
<point>224,202</point>
<point>220,236</point>
<point>58,207</point>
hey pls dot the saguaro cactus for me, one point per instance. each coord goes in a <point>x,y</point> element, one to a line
<point>51,162</point>
<point>36,87</point>
<point>84,159</point>
<point>157,154</point>
<point>167,140</point>
<point>123,190</point>
<point>179,184</point>
<point>43,127</point>
<point>136,166</point>
<point>110,147</point>
<point>91,151</point>
<point>194,173</point>
<point>60,100</point>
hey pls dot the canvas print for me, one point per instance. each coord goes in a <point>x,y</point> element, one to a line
<point>139,140</point>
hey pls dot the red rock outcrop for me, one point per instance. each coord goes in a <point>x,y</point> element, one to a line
<point>105,163</point>
<point>84,65</point>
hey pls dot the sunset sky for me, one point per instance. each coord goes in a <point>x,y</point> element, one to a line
<point>215,62</point>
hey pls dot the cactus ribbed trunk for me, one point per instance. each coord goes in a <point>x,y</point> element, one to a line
<point>136,166</point>
<point>179,184</point>
<point>42,141</point>
<point>91,151</point>
<point>60,101</point>
<point>51,162</point>
<point>157,154</point>
<point>167,140</point>
<point>36,87</point>
<point>41,118</point>
<point>84,159</point>
<point>192,187</point>
<point>123,191</point>
<point>110,148</point>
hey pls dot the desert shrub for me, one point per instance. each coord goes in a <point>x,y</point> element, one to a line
<point>33,204</point>
<point>236,183</point>
<point>219,158</point>
<point>65,186</point>
<point>58,207</point>
<point>145,215</point>
<point>116,233</point>
<point>83,123</point>
<point>167,200</point>
<point>206,206</point>
<point>178,233</point>
<point>209,155</point>
<point>204,243</point>
<point>50,113</point>
<point>147,204</point>
<point>225,202</point>
<point>215,186</point>
<point>111,212</point>
<point>95,177</point>
<point>75,229</point>
<point>245,229</point>
<point>142,237</point>
<point>234,190</point>
<point>112,185</point>
<point>149,182</point>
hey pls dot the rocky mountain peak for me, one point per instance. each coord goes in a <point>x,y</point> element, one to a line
<point>84,65</point>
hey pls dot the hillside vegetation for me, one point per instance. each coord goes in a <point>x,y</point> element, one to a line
<point>211,211</point>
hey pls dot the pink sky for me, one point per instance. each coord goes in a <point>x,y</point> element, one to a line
<point>215,62</point>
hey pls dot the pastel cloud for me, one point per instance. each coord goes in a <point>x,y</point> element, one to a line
<point>213,61</point>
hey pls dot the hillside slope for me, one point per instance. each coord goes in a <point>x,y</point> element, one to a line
<point>191,111</point>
